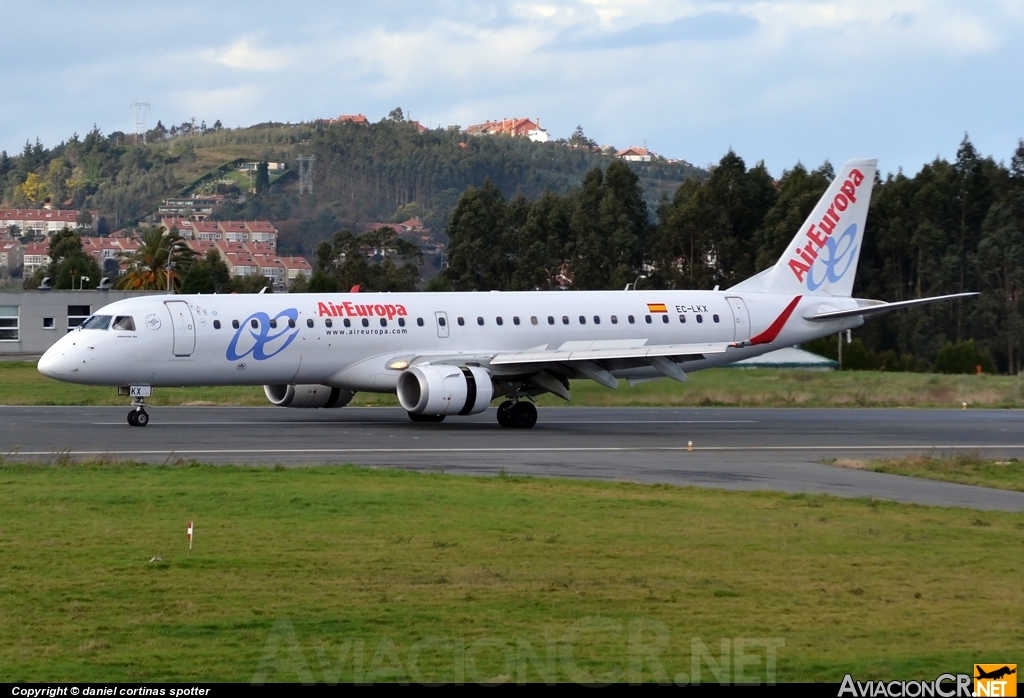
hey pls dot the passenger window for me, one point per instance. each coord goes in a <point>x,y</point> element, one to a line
<point>499,320</point>
<point>383,322</point>
<point>597,319</point>
<point>348,323</point>
<point>401,322</point>
<point>583,320</point>
<point>126,323</point>
<point>565,319</point>
<point>631,319</point>
<point>216,324</point>
<point>366,322</point>
<point>682,319</point>
<point>700,319</point>
<point>515,320</point>
<point>615,319</point>
<point>291,323</point>
<point>480,321</point>
<point>329,323</point>
<point>234,324</point>
<point>551,320</point>
<point>419,321</point>
<point>254,324</point>
<point>648,318</point>
<point>533,319</point>
<point>309,322</point>
<point>664,319</point>
<point>461,322</point>
<point>715,318</point>
<point>441,322</point>
<point>273,324</point>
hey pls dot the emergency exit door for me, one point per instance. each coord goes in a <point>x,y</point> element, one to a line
<point>740,317</point>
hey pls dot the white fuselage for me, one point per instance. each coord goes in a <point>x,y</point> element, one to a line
<point>347,340</point>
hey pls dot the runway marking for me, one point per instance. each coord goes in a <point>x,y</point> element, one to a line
<point>390,423</point>
<point>558,449</point>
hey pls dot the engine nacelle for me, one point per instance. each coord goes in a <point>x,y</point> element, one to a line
<point>445,390</point>
<point>307,395</point>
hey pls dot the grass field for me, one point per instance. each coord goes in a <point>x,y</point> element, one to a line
<point>342,573</point>
<point>966,469</point>
<point>21,384</point>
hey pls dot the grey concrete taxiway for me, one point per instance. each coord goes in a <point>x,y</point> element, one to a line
<point>777,449</point>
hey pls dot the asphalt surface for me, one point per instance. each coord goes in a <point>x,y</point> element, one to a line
<point>744,449</point>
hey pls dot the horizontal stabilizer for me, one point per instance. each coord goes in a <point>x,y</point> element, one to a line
<point>870,307</point>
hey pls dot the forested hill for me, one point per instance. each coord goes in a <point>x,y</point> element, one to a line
<point>386,171</point>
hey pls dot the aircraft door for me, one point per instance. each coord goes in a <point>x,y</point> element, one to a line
<point>741,318</point>
<point>442,324</point>
<point>184,327</point>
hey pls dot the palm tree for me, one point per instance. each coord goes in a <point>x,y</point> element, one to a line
<point>149,268</point>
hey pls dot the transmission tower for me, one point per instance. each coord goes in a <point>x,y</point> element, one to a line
<point>139,110</point>
<point>306,173</point>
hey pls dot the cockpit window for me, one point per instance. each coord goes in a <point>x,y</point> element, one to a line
<point>96,322</point>
<point>124,322</point>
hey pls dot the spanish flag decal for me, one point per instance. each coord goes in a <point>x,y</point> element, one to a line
<point>656,308</point>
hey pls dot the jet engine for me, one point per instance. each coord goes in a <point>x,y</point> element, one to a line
<point>307,395</point>
<point>440,390</point>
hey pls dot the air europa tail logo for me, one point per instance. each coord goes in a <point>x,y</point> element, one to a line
<point>349,309</point>
<point>839,254</point>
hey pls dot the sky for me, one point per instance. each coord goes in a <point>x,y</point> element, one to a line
<point>782,81</point>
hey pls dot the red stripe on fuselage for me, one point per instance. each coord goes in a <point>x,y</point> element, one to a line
<point>773,330</point>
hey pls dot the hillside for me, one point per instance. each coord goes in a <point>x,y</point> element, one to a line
<point>382,172</point>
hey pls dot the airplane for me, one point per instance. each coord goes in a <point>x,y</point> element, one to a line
<point>994,674</point>
<point>448,354</point>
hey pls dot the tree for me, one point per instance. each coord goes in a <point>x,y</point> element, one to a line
<point>69,263</point>
<point>375,261</point>
<point>578,139</point>
<point>396,115</point>
<point>207,275</point>
<point>148,268</point>
<point>476,233</point>
<point>262,178</point>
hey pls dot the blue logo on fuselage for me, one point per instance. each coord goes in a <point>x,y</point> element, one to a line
<point>842,250</point>
<point>262,335</point>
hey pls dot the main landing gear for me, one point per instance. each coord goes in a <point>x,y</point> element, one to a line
<point>138,417</point>
<point>520,414</point>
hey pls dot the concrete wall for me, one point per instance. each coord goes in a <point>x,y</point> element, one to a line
<point>43,317</point>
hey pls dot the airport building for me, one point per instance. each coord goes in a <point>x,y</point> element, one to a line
<point>31,321</point>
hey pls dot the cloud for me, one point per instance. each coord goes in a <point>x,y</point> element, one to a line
<point>245,55</point>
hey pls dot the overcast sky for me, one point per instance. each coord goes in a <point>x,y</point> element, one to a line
<point>808,80</point>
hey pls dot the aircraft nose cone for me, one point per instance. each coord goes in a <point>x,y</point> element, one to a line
<point>50,363</point>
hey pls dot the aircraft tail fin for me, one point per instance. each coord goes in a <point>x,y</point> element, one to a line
<point>822,258</point>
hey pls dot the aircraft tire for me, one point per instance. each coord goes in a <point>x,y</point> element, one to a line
<point>131,419</point>
<point>524,415</point>
<point>141,418</point>
<point>426,417</point>
<point>505,413</point>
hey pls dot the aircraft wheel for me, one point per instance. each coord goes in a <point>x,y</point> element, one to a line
<point>131,419</point>
<point>142,419</point>
<point>524,415</point>
<point>505,413</point>
<point>426,417</point>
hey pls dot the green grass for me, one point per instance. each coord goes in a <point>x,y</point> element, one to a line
<point>21,384</point>
<point>965,469</point>
<point>294,567</point>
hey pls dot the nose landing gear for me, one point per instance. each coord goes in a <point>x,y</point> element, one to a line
<point>138,417</point>
<point>519,414</point>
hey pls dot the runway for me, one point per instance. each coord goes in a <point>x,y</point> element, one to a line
<point>744,449</point>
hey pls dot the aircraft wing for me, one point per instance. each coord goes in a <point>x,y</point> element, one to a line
<point>570,354</point>
<point>871,307</point>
